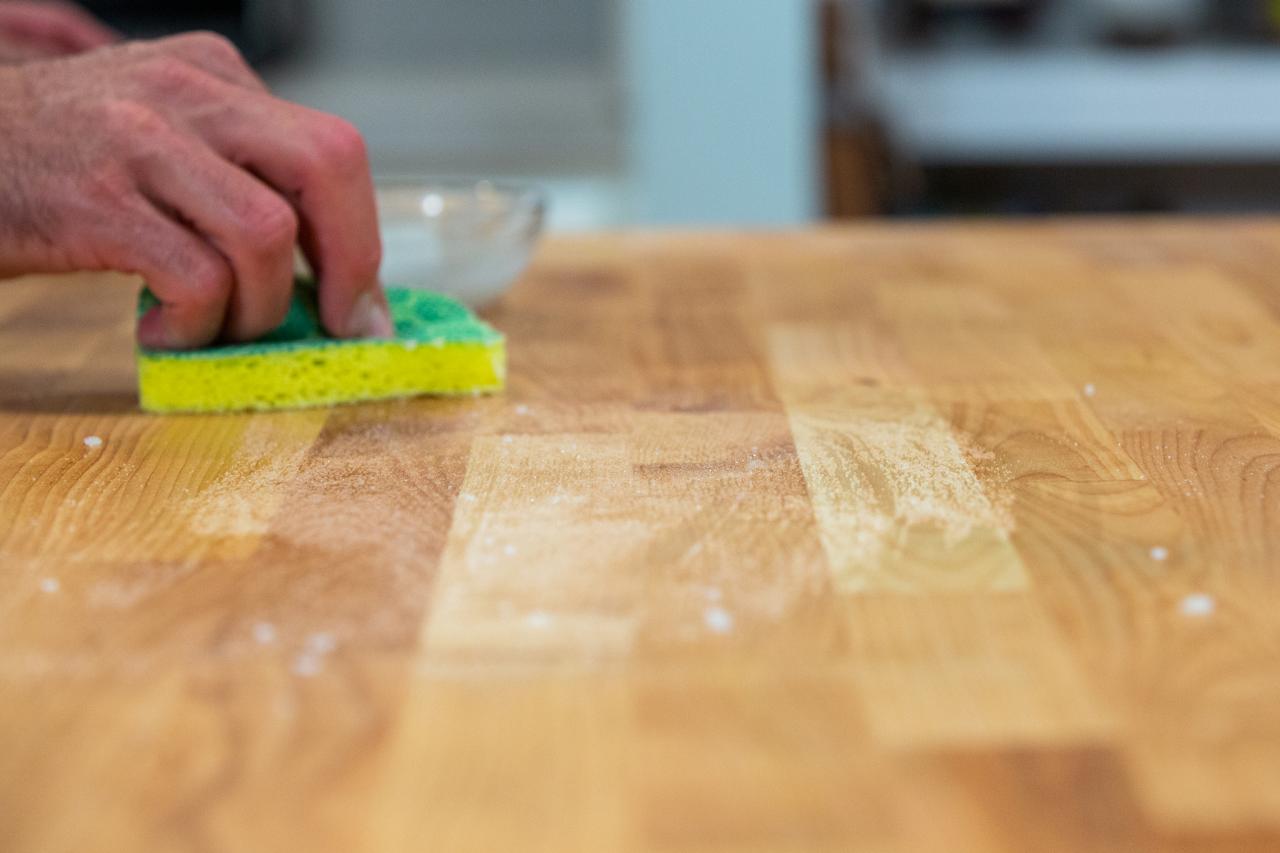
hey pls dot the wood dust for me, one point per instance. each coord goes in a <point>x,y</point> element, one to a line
<point>891,494</point>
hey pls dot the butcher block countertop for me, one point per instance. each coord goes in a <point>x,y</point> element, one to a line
<point>895,538</point>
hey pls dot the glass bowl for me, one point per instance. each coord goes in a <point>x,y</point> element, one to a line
<point>466,239</point>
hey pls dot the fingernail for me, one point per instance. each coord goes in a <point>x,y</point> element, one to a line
<point>370,318</point>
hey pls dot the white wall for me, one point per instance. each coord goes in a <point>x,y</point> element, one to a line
<point>631,111</point>
<point>722,110</point>
<point>471,34</point>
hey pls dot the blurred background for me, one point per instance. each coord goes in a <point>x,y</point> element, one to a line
<point>780,112</point>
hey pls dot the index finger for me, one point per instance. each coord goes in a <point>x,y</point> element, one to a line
<point>320,164</point>
<point>58,24</point>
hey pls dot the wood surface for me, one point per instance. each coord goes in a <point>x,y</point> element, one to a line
<point>890,538</point>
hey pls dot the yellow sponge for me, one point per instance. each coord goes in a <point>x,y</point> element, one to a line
<point>440,348</point>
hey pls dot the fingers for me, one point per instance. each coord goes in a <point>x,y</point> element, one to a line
<point>319,163</point>
<point>192,281</point>
<point>250,225</point>
<point>61,27</point>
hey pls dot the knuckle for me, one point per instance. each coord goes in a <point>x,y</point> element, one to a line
<point>208,278</point>
<point>338,146</point>
<point>271,223</point>
<point>130,118</point>
<point>208,45</point>
<point>166,73</point>
<point>139,136</point>
<point>105,186</point>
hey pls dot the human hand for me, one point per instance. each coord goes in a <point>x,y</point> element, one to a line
<point>42,30</point>
<point>170,159</point>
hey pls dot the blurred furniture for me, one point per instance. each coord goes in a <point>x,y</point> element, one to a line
<point>854,146</point>
<point>262,29</point>
<point>1082,93</point>
<point>722,122</point>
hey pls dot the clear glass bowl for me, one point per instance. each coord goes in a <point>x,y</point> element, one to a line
<point>469,240</point>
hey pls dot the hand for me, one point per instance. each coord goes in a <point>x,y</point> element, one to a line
<point>34,30</point>
<point>171,160</point>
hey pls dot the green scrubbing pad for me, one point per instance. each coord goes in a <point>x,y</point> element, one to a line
<point>440,347</point>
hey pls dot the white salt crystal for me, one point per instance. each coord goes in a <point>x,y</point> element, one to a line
<point>522,409</point>
<point>92,441</point>
<point>321,643</point>
<point>264,633</point>
<point>509,550</point>
<point>506,439</point>
<point>1160,553</point>
<point>1090,390</point>
<point>539,620</point>
<point>50,585</point>
<point>1197,604</point>
<point>307,665</point>
<point>718,620</point>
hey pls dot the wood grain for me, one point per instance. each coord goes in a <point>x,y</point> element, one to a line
<point>907,538</point>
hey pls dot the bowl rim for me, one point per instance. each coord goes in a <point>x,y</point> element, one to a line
<point>515,189</point>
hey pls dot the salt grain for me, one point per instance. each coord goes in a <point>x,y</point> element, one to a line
<point>509,550</point>
<point>522,409</point>
<point>506,439</point>
<point>264,633</point>
<point>718,620</point>
<point>1160,553</point>
<point>321,643</point>
<point>1197,604</point>
<point>92,441</point>
<point>307,665</point>
<point>539,620</point>
<point>468,497</point>
<point>1090,390</point>
<point>50,585</point>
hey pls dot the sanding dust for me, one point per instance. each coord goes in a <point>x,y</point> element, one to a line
<point>244,499</point>
<point>122,590</point>
<point>880,485</point>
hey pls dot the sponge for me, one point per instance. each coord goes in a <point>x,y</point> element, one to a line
<point>440,347</point>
